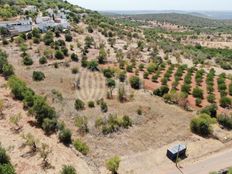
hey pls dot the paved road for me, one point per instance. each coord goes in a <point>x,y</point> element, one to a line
<point>214,162</point>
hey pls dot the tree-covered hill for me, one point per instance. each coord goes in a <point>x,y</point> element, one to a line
<point>183,19</point>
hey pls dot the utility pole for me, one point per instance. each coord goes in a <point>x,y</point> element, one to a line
<point>177,157</point>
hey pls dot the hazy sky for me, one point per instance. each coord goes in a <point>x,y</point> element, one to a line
<point>217,5</point>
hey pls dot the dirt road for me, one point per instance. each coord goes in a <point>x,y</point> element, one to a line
<point>214,162</point>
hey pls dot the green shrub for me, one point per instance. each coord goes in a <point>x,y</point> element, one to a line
<point>198,101</point>
<point>164,81</point>
<point>75,70</point>
<point>81,147</point>
<point>113,164</point>
<point>202,125</point>
<point>82,124</point>
<point>199,76</point>
<point>64,51</point>
<point>126,122</point>
<point>38,76</point>
<point>18,87</point>
<point>79,105</point>
<point>68,37</point>
<point>211,98</point>
<point>7,70</point>
<point>65,136</point>
<point>186,88</point>
<point>108,73</point>
<point>102,56</point>
<point>90,29</point>
<point>161,91</point>
<point>3,60</point>
<point>91,104</point>
<point>43,60</point>
<point>48,38</point>
<point>139,111</point>
<point>42,110</point>
<point>145,75</point>
<point>113,123</point>
<point>27,61</point>
<point>210,110</point>
<point>151,68</point>
<point>110,83</point>
<point>7,169</point>
<point>44,114</point>
<point>74,57</point>
<point>197,93</point>
<point>135,82</point>
<point>36,40</point>
<point>49,125</point>
<point>59,54</point>
<point>129,68</point>
<point>188,79</point>
<point>104,107</point>
<point>225,120</point>
<point>68,170</point>
<point>122,76</point>
<point>155,78</point>
<point>28,100</point>
<point>4,158</point>
<point>141,67</point>
<point>92,65</point>
<point>225,102</point>
<point>5,165</point>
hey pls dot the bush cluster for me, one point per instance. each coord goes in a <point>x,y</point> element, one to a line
<point>199,76</point>
<point>65,136</point>
<point>179,73</point>
<point>210,110</point>
<point>48,38</point>
<point>210,81</point>
<point>167,75</point>
<point>81,147</point>
<point>108,72</point>
<point>225,102</point>
<point>113,164</point>
<point>68,170</point>
<point>202,125</point>
<point>38,76</point>
<point>151,68</point>
<point>161,91</point>
<point>113,123</point>
<point>197,93</point>
<point>225,120</point>
<point>156,76</point>
<point>186,87</point>
<point>44,114</point>
<point>79,105</point>
<point>221,81</point>
<point>135,82</point>
<point>43,60</point>
<point>5,165</point>
<point>74,57</point>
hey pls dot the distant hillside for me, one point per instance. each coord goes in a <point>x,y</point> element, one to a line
<point>194,20</point>
<point>221,15</point>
